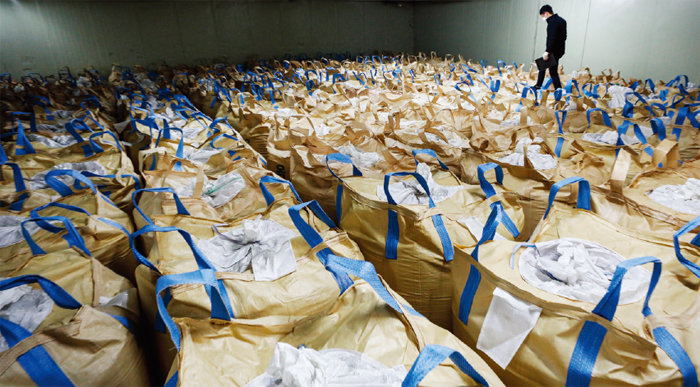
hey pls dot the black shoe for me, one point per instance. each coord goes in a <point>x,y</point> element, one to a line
<point>536,87</point>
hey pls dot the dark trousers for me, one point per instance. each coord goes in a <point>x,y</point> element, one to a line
<point>553,72</point>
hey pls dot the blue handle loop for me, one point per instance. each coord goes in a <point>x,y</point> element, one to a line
<point>526,91</point>
<point>341,158</point>
<point>34,213</point>
<point>604,114</point>
<point>20,186</point>
<point>547,82</point>
<point>692,266</point>
<point>75,124</point>
<point>135,178</point>
<point>200,259</point>
<point>24,146</point>
<point>181,209</point>
<point>220,120</point>
<point>593,333</point>
<point>428,152</point>
<point>37,362</point>
<point>430,357</point>
<point>220,304</point>
<point>561,117</point>
<point>622,129</point>
<point>392,237</point>
<point>607,305</point>
<point>72,235</point>
<point>165,133</point>
<point>590,93</point>
<point>659,128</point>
<point>570,84</point>
<point>497,217</point>
<point>558,94</point>
<point>62,188</point>
<point>30,115</point>
<point>366,271</point>
<point>486,186</point>
<point>678,98</point>
<point>220,136</point>
<point>97,147</point>
<point>79,124</point>
<point>54,291</point>
<point>337,77</point>
<point>680,79</point>
<point>269,198</point>
<point>313,238</point>
<point>650,84</point>
<point>583,199</point>
<point>685,113</point>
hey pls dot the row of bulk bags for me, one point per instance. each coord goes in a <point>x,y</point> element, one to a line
<point>366,319</point>
<point>97,154</point>
<point>50,332</point>
<point>564,286</point>
<point>65,230</point>
<point>270,263</point>
<point>171,225</point>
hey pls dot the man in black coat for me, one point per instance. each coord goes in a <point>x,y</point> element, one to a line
<point>556,38</point>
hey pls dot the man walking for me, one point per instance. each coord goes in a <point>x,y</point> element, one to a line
<point>556,36</point>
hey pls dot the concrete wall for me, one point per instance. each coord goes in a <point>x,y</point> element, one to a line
<point>640,38</point>
<point>45,35</point>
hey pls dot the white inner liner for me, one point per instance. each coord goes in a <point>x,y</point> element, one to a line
<point>222,190</point>
<point>306,367</point>
<point>410,191</point>
<point>358,156</point>
<point>617,96</point>
<point>320,129</point>
<point>200,156</point>
<point>11,231</point>
<point>54,142</point>
<point>610,137</point>
<point>38,181</point>
<point>581,270</point>
<point>261,244</point>
<point>25,306</point>
<point>683,198</point>
<point>476,228</point>
<point>539,160</point>
<point>507,323</point>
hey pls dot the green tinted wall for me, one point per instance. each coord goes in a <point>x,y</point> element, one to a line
<point>641,38</point>
<point>45,35</point>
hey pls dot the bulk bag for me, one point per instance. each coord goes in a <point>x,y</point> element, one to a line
<point>106,238</point>
<point>600,149</point>
<point>103,225</point>
<point>366,318</point>
<point>105,157</point>
<point>18,193</point>
<point>243,190</point>
<point>287,244</point>
<point>412,244</point>
<point>533,336</point>
<point>677,283</point>
<point>61,350</point>
<point>87,279</point>
<point>675,192</point>
<point>551,284</point>
<point>309,172</point>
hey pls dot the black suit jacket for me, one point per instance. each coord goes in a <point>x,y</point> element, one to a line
<point>556,35</point>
